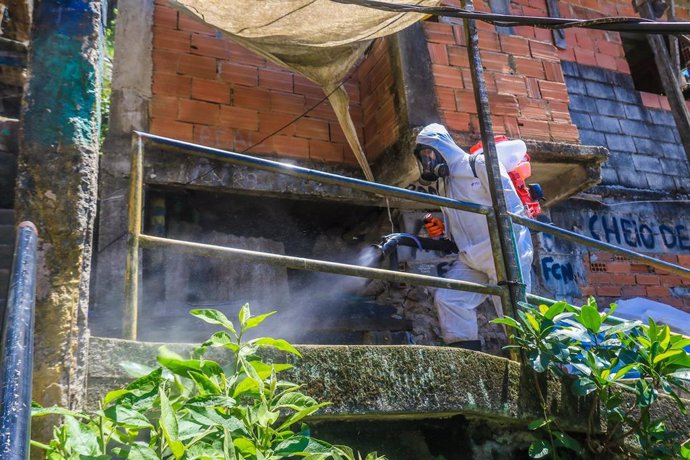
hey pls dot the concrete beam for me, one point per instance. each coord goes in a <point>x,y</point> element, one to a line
<point>56,188</point>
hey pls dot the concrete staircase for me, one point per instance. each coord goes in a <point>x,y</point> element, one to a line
<point>7,232</point>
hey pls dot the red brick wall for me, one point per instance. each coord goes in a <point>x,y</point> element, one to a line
<point>527,91</point>
<point>611,278</point>
<point>381,121</point>
<point>212,91</point>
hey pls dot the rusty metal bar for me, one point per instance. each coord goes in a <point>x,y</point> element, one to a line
<point>299,263</point>
<point>317,176</point>
<point>591,242</point>
<point>501,230</point>
<point>130,315</point>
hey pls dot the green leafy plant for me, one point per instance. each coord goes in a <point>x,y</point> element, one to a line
<point>195,408</point>
<point>624,368</point>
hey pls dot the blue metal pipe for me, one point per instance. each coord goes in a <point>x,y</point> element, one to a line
<point>318,176</point>
<point>16,362</point>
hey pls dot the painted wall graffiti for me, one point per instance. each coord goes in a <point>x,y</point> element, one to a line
<point>643,235</point>
<point>559,269</point>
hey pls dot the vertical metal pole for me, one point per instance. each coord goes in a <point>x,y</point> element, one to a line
<point>17,348</point>
<point>136,190</point>
<point>502,224</point>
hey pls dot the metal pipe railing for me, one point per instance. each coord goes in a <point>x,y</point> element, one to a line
<point>299,263</point>
<point>16,362</point>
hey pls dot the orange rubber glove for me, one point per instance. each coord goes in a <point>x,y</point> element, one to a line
<point>434,227</point>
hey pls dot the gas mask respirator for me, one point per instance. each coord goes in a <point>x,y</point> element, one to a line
<point>431,163</point>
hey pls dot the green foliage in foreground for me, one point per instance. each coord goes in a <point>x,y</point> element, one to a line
<point>189,409</point>
<point>622,368</point>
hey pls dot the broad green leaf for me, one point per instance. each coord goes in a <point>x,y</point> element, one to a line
<point>204,384</point>
<point>55,410</point>
<point>685,450</point>
<point>213,316</point>
<point>295,401</point>
<point>210,417</point>
<point>590,318</point>
<point>300,445</point>
<point>539,449</point>
<point>555,309</point>
<point>679,342</point>
<point>508,321</point>
<point>141,452</point>
<point>179,366</point>
<point>535,424</point>
<point>81,439</point>
<point>127,418</point>
<point>665,337</point>
<point>136,370</point>
<point>297,416</point>
<point>624,370</point>
<point>244,315</point>
<point>228,445</point>
<point>622,328</point>
<point>256,320</point>
<point>667,354</point>
<point>169,426</point>
<point>280,344</point>
<point>568,442</point>
<point>211,401</point>
<point>582,386</point>
<point>245,446</point>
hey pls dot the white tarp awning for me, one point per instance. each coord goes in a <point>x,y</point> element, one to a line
<point>319,39</point>
<point>642,309</point>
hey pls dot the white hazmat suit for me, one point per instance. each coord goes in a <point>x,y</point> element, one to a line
<point>457,309</point>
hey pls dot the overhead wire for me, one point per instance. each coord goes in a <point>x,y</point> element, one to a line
<point>616,23</point>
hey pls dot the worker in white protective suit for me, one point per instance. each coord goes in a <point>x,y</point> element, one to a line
<point>441,159</point>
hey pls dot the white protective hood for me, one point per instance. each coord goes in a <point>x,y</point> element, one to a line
<point>320,39</point>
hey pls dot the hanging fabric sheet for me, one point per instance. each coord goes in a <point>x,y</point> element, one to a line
<point>320,39</point>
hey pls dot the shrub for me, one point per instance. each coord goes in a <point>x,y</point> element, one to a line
<point>623,368</point>
<point>195,408</point>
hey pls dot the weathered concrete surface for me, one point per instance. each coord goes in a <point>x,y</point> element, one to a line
<point>56,189</point>
<point>391,382</point>
<point>375,382</point>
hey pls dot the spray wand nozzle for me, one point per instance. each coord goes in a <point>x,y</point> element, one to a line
<point>390,242</point>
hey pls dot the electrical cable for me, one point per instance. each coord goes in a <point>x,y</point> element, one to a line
<point>618,23</point>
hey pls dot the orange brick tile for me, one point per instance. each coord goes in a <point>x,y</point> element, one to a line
<point>456,121</point>
<point>171,128</point>
<point>459,35</point>
<point>244,75</point>
<point>438,53</point>
<point>464,100</point>
<point>197,112</point>
<point>165,61</point>
<point>503,104</point>
<point>212,136</point>
<point>171,85</point>
<point>251,98</point>
<point>450,77</point>
<point>189,23</point>
<point>437,32</point>
<point>197,66</point>
<point>511,84</point>
<point>534,129</point>
<point>612,49</point>
<point>511,126</point>
<point>457,56</point>
<point>290,103</point>
<point>553,71</point>
<point>664,103</point>
<point>251,141</point>
<point>210,91</point>
<point>559,111</point>
<point>276,80</point>
<point>169,39</point>
<point>446,98</point>
<point>622,66</point>
<point>545,51</point>
<point>530,67</point>
<point>585,56</point>
<point>517,46</point>
<point>294,147</point>
<point>312,129</point>
<point>564,132</point>
<point>495,61</point>
<point>488,40</point>
<point>650,100</point>
<point>325,151</point>
<point>553,90</point>
<point>633,291</point>
<point>647,279</point>
<point>533,88</point>
<point>608,291</point>
<point>165,16</point>
<point>605,61</point>
<point>163,107</point>
<point>308,88</point>
<point>211,46</point>
<point>238,117</point>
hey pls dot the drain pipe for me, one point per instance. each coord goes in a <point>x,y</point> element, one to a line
<point>16,362</point>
